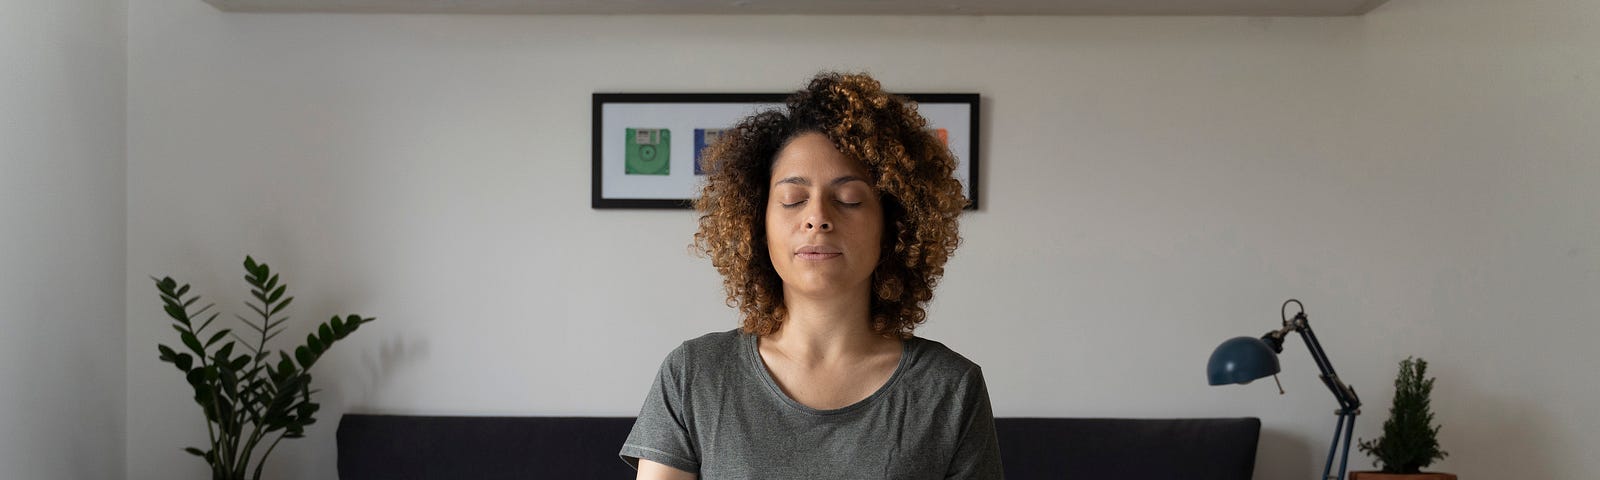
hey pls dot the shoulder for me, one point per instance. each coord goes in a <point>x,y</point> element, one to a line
<point>936,371</point>
<point>708,349</point>
<point>934,358</point>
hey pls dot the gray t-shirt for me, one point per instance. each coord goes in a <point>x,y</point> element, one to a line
<point>714,410</point>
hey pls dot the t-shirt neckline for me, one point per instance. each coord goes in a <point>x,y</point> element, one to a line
<point>760,366</point>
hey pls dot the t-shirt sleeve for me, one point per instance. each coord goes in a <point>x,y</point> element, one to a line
<point>663,432</point>
<point>978,453</point>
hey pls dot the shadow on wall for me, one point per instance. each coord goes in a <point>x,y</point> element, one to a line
<point>1482,429</point>
<point>395,353</point>
<point>1284,455</point>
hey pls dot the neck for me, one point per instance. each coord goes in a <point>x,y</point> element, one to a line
<point>830,328</point>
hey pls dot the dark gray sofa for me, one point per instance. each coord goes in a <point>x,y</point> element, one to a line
<point>400,447</point>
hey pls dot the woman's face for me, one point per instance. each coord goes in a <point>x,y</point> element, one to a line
<point>824,219</point>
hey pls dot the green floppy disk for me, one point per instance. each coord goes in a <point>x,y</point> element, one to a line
<point>649,151</point>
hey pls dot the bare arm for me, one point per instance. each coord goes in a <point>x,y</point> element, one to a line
<point>649,470</point>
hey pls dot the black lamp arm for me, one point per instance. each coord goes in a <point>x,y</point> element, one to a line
<point>1349,402</point>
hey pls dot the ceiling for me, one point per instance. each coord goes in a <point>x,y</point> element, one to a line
<point>819,7</point>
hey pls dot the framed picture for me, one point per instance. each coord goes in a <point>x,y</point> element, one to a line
<point>647,146</point>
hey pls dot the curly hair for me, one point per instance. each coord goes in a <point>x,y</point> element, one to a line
<point>911,170</point>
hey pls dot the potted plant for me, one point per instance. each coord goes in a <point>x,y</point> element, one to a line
<point>250,403</point>
<point>1410,440</point>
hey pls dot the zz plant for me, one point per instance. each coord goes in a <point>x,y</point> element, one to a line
<point>249,401</point>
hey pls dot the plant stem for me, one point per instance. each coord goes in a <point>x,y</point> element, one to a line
<point>256,432</point>
<point>255,438</point>
<point>219,461</point>
<point>263,462</point>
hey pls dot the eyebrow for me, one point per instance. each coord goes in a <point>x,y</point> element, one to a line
<point>801,181</point>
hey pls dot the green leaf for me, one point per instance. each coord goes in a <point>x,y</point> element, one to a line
<point>167,355</point>
<point>166,284</point>
<point>207,323</point>
<point>325,333</point>
<point>259,310</point>
<point>184,361</point>
<point>304,356</point>
<point>246,343</point>
<point>285,365</point>
<point>338,326</point>
<point>249,264</point>
<point>177,313</point>
<point>230,382</point>
<point>276,294</point>
<point>192,343</point>
<point>351,323</point>
<point>278,323</point>
<point>313,343</point>
<point>282,305</point>
<point>250,324</point>
<point>224,353</point>
<point>197,379</point>
<point>195,451</point>
<point>271,284</point>
<point>217,336</point>
<point>183,290</point>
<point>202,392</point>
<point>284,397</point>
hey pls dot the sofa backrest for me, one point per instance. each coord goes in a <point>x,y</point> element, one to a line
<point>404,447</point>
<point>1120,448</point>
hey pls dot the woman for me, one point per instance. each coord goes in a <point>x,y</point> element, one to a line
<point>831,224</point>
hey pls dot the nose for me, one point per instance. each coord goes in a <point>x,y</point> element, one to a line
<point>817,219</point>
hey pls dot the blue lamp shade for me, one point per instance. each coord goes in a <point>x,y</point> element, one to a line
<point>1241,360</point>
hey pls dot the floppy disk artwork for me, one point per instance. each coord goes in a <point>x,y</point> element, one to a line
<point>649,152</point>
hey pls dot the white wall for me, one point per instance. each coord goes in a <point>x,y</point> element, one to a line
<point>1423,178</point>
<point>62,200</point>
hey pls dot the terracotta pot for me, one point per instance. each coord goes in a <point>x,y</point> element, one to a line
<point>1401,476</point>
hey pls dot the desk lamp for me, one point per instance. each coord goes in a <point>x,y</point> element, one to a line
<point>1242,360</point>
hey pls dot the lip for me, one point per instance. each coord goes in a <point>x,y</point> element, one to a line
<point>817,252</point>
<point>817,256</point>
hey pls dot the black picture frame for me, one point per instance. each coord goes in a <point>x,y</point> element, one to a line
<point>640,184</point>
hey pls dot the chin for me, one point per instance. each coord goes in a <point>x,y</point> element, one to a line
<point>825,287</point>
